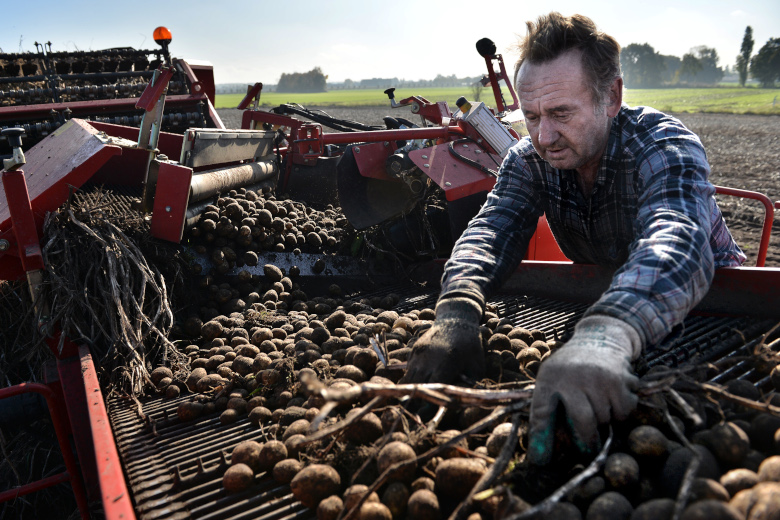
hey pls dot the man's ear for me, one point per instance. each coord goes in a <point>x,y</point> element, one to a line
<point>615,97</point>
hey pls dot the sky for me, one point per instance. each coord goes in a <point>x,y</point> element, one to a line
<point>250,41</point>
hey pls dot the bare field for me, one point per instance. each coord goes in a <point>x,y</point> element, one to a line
<point>744,152</point>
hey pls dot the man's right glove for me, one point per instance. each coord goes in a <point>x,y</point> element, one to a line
<point>451,347</point>
<point>591,378</point>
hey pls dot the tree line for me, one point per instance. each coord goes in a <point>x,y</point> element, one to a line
<point>643,67</point>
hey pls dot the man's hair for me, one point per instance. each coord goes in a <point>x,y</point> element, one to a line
<point>554,34</point>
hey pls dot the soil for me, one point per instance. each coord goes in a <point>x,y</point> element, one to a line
<point>743,150</point>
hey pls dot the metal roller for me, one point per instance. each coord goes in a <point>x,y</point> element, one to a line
<point>209,183</point>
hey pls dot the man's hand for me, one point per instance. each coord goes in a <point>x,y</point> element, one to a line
<point>591,378</point>
<point>451,347</point>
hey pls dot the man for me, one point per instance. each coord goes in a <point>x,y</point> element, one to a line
<point>623,187</point>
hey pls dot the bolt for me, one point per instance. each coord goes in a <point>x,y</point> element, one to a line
<point>424,156</point>
<point>357,149</point>
<point>168,209</point>
<point>387,144</point>
<point>4,245</point>
<point>427,165</point>
<point>448,183</point>
<point>465,146</point>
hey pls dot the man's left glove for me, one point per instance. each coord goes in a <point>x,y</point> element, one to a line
<point>591,378</point>
<point>451,347</point>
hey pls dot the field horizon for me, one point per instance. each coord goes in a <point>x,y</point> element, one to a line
<point>729,100</point>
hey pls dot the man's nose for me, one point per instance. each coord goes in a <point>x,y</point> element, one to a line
<point>547,133</point>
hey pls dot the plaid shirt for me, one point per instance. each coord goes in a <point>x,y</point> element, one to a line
<point>652,214</point>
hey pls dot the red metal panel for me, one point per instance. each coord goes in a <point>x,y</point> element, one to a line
<point>170,202</point>
<point>251,94</point>
<point>92,435</point>
<point>154,90</point>
<point>439,132</point>
<point>168,143</point>
<point>205,75</point>
<point>116,498</point>
<point>18,199</point>
<point>768,217</point>
<point>370,159</point>
<point>455,177</point>
<point>738,291</point>
<point>65,159</point>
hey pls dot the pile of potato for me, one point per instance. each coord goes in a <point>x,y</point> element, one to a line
<point>256,339</point>
<point>250,365</point>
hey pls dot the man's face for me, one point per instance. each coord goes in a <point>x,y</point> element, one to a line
<point>567,128</point>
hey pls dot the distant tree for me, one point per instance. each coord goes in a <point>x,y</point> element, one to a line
<point>476,90</point>
<point>312,81</point>
<point>701,66</point>
<point>671,65</point>
<point>765,65</point>
<point>642,66</point>
<point>743,60</point>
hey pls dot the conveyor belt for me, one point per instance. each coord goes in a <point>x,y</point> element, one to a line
<point>175,469</point>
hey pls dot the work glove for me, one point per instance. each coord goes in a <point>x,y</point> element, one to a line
<point>451,347</point>
<point>591,379</point>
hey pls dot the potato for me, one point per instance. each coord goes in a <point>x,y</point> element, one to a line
<point>315,482</point>
<point>294,445</point>
<point>455,477</point>
<point>194,377</point>
<point>330,508</point>
<point>738,479</point>
<point>247,452</point>
<point>727,442</point>
<point>374,511</point>
<point>285,470</point>
<point>677,463</point>
<point>762,431</point>
<point>271,454</point>
<point>708,489</point>
<point>648,441</point>
<point>259,415</point>
<point>354,493</point>
<point>559,510</point>
<point>423,505</point>
<point>621,471</point>
<point>759,502</point>
<point>655,509</point>
<point>395,452</point>
<point>498,438</point>
<point>423,483</point>
<point>610,506</point>
<point>769,470</point>
<point>453,451</point>
<point>710,510</point>
<point>189,411</point>
<point>395,497</point>
<point>299,427</point>
<point>172,392</point>
<point>365,430</point>
<point>160,373</point>
<point>238,477</point>
<point>229,416</point>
